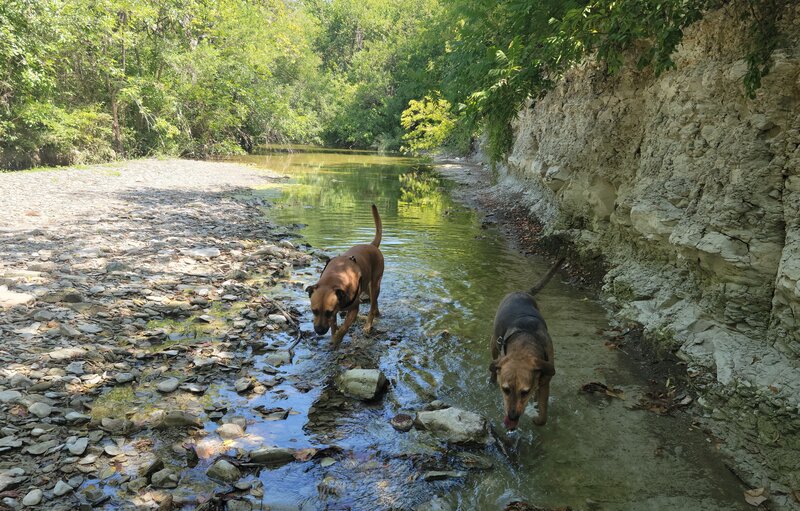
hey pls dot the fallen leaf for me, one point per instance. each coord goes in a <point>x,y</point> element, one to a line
<point>305,454</point>
<point>601,388</point>
<point>755,497</point>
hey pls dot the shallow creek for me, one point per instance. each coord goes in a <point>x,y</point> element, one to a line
<point>446,271</point>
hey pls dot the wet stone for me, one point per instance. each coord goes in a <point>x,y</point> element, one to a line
<point>230,431</point>
<point>124,377</point>
<point>76,417</point>
<point>243,384</point>
<point>224,470</point>
<point>272,456</point>
<point>165,478</point>
<point>438,475</point>
<point>365,384</point>
<point>180,419</point>
<point>402,422</point>
<point>453,425</point>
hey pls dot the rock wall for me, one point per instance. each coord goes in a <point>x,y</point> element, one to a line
<point>691,192</point>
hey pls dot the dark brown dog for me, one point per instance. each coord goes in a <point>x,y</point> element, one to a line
<point>343,280</point>
<point>522,353</point>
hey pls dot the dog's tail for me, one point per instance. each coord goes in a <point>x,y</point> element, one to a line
<point>547,276</point>
<point>378,226</point>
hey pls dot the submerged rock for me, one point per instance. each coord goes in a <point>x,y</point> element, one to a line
<point>453,425</point>
<point>179,419</point>
<point>437,475</point>
<point>165,478</point>
<point>402,422</point>
<point>272,456</point>
<point>230,431</point>
<point>365,384</point>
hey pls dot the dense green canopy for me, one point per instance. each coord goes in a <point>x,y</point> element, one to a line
<point>93,80</point>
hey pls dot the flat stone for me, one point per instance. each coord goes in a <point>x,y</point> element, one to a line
<point>62,488</point>
<point>90,328</point>
<point>230,431</point>
<point>41,448</point>
<point>202,252</point>
<point>124,377</point>
<point>272,456</point>
<point>168,385</point>
<point>75,368</point>
<point>76,417</point>
<point>33,498</point>
<point>67,353</point>
<point>278,358</point>
<point>224,470</point>
<point>40,410</point>
<point>453,425</point>
<point>9,442</point>
<point>364,384</point>
<point>10,299</point>
<point>9,396</point>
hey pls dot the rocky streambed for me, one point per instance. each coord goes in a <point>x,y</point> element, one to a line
<point>155,356</point>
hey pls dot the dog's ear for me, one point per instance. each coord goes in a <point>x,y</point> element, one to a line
<point>353,258</point>
<point>341,295</point>
<point>546,367</point>
<point>310,289</point>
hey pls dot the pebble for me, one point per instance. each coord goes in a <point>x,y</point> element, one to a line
<point>62,488</point>
<point>33,498</point>
<point>168,385</point>
<point>124,377</point>
<point>9,396</point>
<point>78,447</point>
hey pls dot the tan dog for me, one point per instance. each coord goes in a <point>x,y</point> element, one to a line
<point>343,280</point>
<point>522,353</point>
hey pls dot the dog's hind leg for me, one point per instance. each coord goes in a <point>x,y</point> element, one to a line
<point>374,292</point>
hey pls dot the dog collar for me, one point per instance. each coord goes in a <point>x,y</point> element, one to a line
<point>355,297</point>
<point>503,341</point>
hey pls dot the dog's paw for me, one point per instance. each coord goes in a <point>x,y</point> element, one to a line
<point>540,421</point>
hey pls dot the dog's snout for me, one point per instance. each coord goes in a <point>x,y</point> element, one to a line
<point>321,330</point>
<point>514,416</point>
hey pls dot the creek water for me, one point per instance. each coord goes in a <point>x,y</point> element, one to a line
<point>446,272</point>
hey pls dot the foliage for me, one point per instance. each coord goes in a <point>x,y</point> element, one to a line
<point>428,123</point>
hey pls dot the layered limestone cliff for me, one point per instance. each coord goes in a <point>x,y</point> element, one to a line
<point>691,192</point>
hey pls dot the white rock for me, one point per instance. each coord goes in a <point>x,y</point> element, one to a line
<point>11,298</point>
<point>278,318</point>
<point>453,425</point>
<point>363,384</point>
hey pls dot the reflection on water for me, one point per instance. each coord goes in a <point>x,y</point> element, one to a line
<point>445,275</point>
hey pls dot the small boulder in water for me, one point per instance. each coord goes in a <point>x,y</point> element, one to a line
<point>364,384</point>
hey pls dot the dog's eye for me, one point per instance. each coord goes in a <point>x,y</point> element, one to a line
<point>525,392</point>
<point>506,390</point>
<point>315,312</point>
<point>329,313</point>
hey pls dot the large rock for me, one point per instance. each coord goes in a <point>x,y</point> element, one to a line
<point>179,419</point>
<point>224,471</point>
<point>365,384</point>
<point>453,425</point>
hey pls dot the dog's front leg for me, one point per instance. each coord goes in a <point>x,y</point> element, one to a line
<point>543,396</point>
<point>339,335</point>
